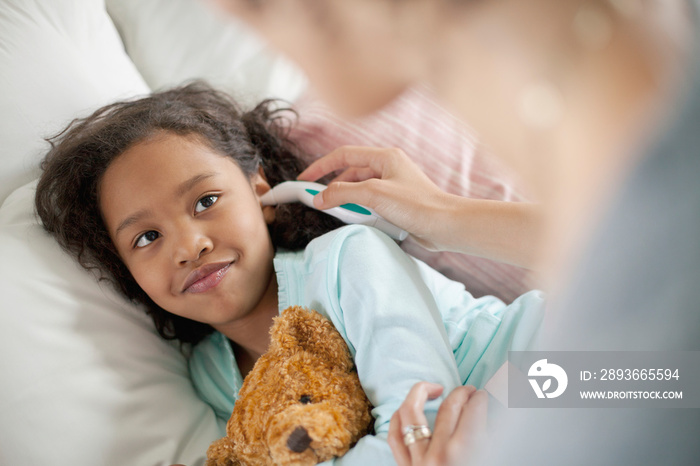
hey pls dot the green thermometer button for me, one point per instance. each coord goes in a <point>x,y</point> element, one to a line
<point>350,207</point>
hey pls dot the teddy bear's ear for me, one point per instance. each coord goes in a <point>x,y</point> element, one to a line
<point>299,328</point>
<point>221,453</point>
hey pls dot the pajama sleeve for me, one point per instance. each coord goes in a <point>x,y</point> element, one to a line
<point>399,317</point>
<point>390,321</point>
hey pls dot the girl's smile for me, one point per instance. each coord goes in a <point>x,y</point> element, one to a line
<point>206,277</point>
<point>189,225</point>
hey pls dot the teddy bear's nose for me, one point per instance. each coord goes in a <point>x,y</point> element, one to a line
<point>298,440</point>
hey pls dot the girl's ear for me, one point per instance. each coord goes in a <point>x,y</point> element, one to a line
<point>260,186</point>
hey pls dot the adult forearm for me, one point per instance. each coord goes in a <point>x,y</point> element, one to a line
<point>504,231</point>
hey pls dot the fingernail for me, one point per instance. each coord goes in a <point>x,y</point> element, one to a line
<point>318,200</point>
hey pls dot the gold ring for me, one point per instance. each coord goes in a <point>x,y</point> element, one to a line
<point>411,434</point>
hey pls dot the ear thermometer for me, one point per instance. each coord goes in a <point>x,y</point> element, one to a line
<point>304,192</point>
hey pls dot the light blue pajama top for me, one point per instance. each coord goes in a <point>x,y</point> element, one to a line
<point>402,321</point>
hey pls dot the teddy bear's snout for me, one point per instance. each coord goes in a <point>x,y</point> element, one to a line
<point>299,440</point>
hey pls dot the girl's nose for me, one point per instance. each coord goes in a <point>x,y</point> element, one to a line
<point>191,246</point>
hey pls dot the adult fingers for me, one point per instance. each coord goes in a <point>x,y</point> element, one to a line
<point>355,174</point>
<point>448,416</point>
<point>462,446</point>
<point>341,192</point>
<point>395,439</point>
<point>472,423</point>
<point>344,157</point>
<point>410,413</point>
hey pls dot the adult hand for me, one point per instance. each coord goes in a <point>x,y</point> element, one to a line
<point>459,426</point>
<point>385,180</point>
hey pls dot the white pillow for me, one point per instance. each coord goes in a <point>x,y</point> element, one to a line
<point>85,378</point>
<point>58,59</point>
<point>172,41</point>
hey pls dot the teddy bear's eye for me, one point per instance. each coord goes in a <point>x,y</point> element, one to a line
<point>305,399</point>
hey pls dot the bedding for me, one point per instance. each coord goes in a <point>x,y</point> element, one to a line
<point>173,41</point>
<point>86,379</point>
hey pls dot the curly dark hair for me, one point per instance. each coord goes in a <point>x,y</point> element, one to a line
<point>67,197</point>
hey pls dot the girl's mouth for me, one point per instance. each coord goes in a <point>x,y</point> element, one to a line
<point>205,277</point>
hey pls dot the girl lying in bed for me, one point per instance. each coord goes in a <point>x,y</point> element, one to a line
<point>161,196</point>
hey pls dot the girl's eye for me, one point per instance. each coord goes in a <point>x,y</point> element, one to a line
<point>147,238</point>
<point>205,202</point>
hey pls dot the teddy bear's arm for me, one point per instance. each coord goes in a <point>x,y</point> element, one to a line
<point>221,453</point>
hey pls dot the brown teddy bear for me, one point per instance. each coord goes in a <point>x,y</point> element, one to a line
<point>301,404</point>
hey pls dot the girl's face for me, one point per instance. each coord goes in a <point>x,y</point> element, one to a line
<point>189,225</point>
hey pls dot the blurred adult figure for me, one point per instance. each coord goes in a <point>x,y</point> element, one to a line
<point>596,104</point>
